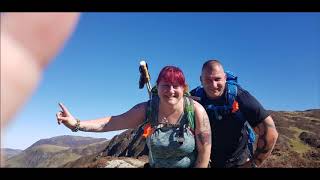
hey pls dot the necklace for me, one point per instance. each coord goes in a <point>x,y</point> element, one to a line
<point>164,120</point>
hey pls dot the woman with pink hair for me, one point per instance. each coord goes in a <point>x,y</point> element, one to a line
<point>177,129</point>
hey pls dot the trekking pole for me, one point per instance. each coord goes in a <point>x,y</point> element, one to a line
<point>145,77</point>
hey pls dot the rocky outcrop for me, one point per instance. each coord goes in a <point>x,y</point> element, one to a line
<point>130,143</point>
<point>311,139</point>
<point>125,163</point>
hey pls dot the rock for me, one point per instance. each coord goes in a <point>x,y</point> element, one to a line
<point>311,139</point>
<point>125,163</point>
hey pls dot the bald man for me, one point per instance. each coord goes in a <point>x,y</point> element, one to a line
<point>233,112</point>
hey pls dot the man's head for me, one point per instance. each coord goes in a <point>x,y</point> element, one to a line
<point>213,79</point>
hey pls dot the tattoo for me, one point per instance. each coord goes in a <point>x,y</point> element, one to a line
<point>204,138</point>
<point>262,141</point>
<point>205,123</point>
<point>87,129</point>
<point>262,150</point>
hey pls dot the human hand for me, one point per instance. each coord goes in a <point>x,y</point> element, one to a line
<point>66,117</point>
<point>29,41</point>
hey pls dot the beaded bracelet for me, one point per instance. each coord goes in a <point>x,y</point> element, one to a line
<point>75,129</point>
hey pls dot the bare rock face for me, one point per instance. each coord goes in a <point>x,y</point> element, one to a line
<point>130,143</point>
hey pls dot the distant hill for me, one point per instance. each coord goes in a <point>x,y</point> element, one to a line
<point>8,153</point>
<point>57,151</point>
<point>68,141</point>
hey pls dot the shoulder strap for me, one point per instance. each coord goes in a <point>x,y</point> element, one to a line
<point>189,110</point>
<point>152,111</point>
<point>232,91</point>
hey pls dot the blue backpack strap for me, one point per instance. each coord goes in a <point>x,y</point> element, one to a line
<point>251,138</point>
<point>231,77</point>
<point>231,95</point>
<point>232,88</point>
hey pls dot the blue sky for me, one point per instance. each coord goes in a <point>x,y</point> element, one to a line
<point>275,55</point>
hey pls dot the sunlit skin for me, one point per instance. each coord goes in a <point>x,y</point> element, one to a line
<point>213,80</point>
<point>170,93</point>
<point>171,100</point>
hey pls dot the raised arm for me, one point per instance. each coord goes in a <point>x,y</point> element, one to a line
<point>268,136</point>
<point>203,136</point>
<point>129,119</point>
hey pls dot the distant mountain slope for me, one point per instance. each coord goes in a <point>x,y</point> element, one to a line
<point>68,141</point>
<point>8,152</point>
<point>69,148</point>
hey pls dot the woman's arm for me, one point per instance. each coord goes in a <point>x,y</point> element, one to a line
<point>202,135</point>
<point>129,119</point>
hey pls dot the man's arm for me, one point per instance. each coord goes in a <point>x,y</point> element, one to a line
<point>268,136</point>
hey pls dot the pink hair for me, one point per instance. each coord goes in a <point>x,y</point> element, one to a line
<point>173,75</point>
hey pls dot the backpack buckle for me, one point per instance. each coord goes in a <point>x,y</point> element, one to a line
<point>180,140</point>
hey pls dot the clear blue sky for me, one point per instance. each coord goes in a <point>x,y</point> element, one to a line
<point>275,55</point>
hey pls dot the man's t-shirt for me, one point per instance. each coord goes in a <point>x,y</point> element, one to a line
<point>227,133</point>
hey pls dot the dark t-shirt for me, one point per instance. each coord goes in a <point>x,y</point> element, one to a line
<point>227,133</point>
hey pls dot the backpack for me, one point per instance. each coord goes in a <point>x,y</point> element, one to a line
<point>188,110</point>
<point>231,106</point>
